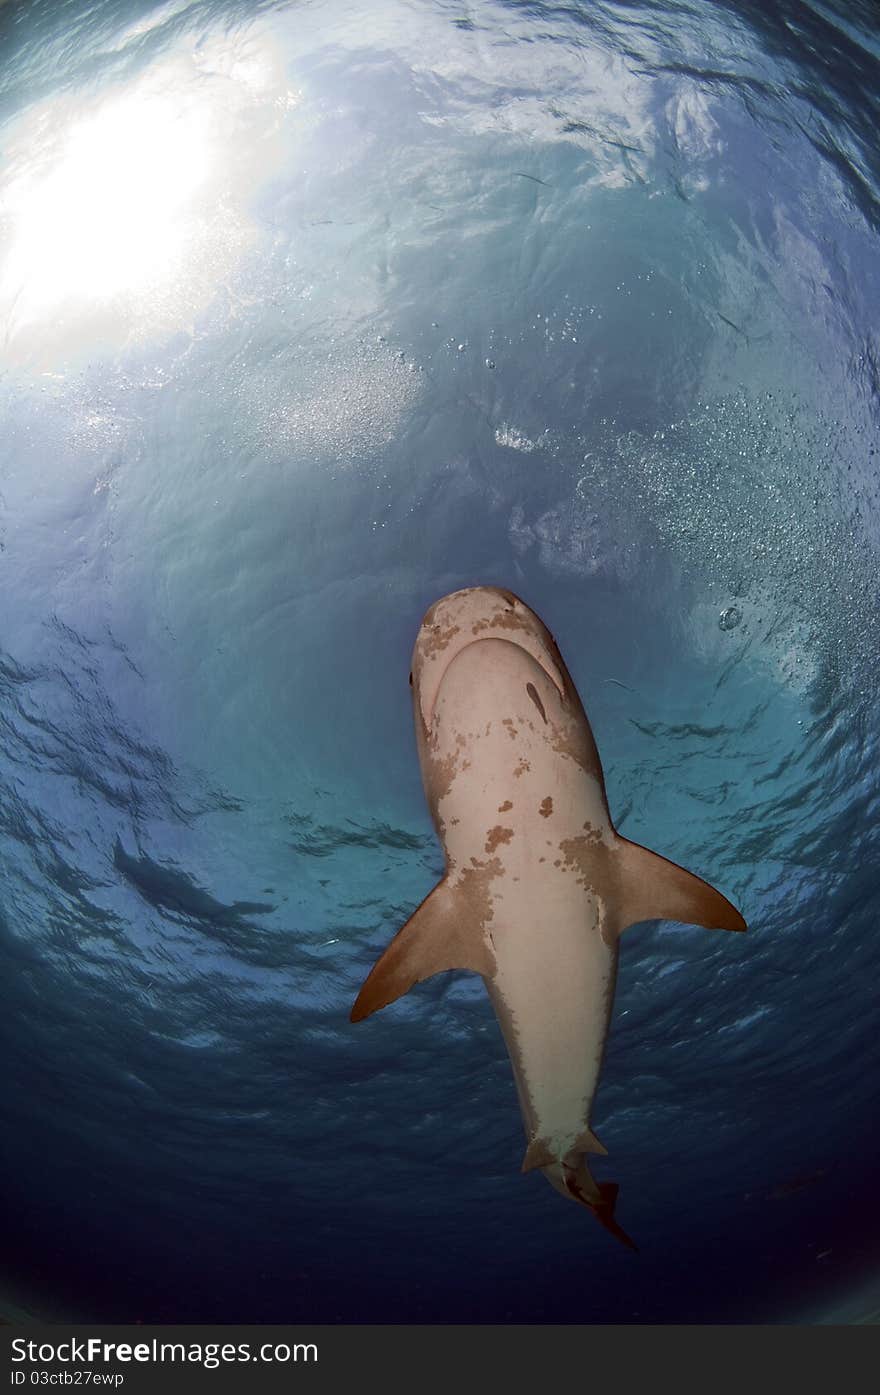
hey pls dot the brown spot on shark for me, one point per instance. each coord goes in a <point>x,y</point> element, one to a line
<point>439,639</point>
<point>594,864</point>
<point>501,620</point>
<point>548,953</point>
<point>580,852</point>
<point>497,835</point>
<point>442,773</point>
<point>473,890</point>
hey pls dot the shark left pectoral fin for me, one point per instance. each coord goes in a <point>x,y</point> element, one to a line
<point>653,888</point>
<point>439,935</point>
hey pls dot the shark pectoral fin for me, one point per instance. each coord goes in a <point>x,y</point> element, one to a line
<point>653,888</point>
<point>439,935</point>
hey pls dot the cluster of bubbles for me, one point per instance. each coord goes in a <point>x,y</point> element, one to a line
<point>763,503</point>
<point>762,506</point>
<point>341,406</point>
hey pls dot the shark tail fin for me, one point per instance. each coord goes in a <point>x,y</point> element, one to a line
<point>653,888</point>
<point>599,1198</point>
<point>604,1213</point>
<point>441,934</point>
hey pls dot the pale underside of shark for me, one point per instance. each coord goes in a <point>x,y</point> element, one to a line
<point>538,884</point>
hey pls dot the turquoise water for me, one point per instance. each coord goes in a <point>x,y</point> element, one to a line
<point>311,313</point>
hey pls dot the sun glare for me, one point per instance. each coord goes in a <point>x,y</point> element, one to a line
<point>111,215</point>
<point>121,215</point>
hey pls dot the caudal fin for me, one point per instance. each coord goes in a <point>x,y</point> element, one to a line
<point>604,1213</point>
<point>599,1198</point>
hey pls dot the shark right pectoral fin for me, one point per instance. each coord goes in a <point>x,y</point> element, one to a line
<point>653,888</point>
<point>440,935</point>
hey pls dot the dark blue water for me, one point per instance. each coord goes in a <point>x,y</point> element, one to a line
<point>309,314</point>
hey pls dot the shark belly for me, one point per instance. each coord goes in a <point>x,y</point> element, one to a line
<point>552,992</point>
<point>525,813</point>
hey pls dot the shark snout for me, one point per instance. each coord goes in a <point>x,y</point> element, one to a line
<point>467,617</point>
<point>472,603</point>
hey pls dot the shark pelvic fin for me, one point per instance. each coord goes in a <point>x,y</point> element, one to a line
<point>439,935</point>
<point>587,1142</point>
<point>653,888</point>
<point>540,1153</point>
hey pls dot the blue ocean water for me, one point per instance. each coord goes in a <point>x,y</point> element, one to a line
<point>310,314</point>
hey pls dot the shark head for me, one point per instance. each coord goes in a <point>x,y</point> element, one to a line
<point>468,617</point>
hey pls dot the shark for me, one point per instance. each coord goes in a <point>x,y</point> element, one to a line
<point>538,885</point>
